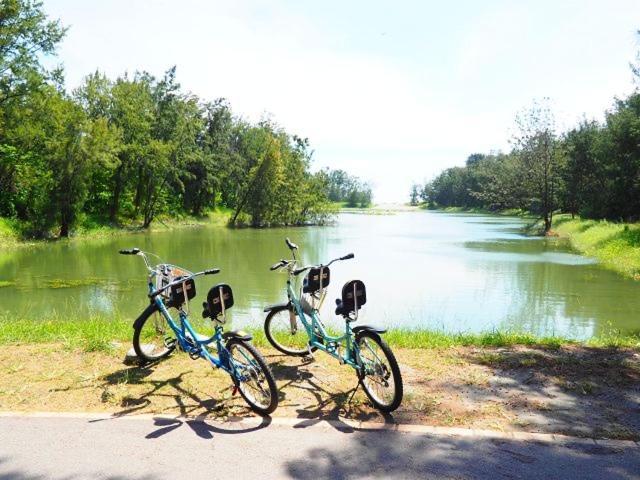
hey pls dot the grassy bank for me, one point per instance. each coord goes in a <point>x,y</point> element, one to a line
<point>614,245</point>
<point>95,334</point>
<point>511,212</point>
<point>13,233</point>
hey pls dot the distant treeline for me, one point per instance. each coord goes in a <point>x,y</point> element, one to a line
<point>348,189</point>
<point>135,147</point>
<point>592,170</point>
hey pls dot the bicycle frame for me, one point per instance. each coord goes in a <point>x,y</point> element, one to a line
<point>195,345</point>
<point>331,344</point>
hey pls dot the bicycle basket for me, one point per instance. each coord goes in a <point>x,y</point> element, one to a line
<point>177,295</point>
<point>316,279</point>
<point>219,299</point>
<point>354,295</point>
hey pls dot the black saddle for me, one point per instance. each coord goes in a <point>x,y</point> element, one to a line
<point>354,295</point>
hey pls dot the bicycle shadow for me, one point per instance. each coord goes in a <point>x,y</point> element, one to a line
<point>139,375</point>
<point>331,407</point>
<point>188,414</point>
<point>201,428</point>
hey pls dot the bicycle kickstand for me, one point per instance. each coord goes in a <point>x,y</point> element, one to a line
<point>355,390</point>
<point>308,358</point>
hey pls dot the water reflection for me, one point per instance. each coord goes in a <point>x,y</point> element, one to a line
<point>456,272</point>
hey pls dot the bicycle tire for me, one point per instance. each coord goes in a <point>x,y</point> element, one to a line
<point>271,404</point>
<point>396,398</point>
<point>269,325</point>
<point>145,355</point>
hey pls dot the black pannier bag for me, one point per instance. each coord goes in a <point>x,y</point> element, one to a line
<point>219,299</point>
<point>316,278</point>
<point>178,290</point>
<point>354,295</point>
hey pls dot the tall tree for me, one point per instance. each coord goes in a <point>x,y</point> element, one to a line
<point>26,35</point>
<point>535,143</point>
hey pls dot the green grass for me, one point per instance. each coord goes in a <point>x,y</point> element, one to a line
<point>417,338</point>
<point>98,334</point>
<point>90,335</point>
<point>9,233</point>
<point>511,212</point>
<point>614,245</point>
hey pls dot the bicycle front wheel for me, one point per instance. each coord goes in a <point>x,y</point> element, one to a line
<point>379,372</point>
<point>285,333</point>
<point>253,377</point>
<point>153,338</point>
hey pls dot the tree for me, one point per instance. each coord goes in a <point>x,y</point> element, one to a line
<point>535,144</point>
<point>74,145</point>
<point>415,194</point>
<point>581,177</point>
<point>25,37</point>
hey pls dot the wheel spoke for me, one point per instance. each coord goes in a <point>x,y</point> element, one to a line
<point>253,379</point>
<point>287,332</point>
<point>378,377</point>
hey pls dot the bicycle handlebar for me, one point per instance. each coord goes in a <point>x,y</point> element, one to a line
<point>211,271</point>
<point>290,244</point>
<point>298,271</point>
<point>162,266</point>
<point>278,265</point>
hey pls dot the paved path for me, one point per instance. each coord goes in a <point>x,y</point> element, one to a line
<point>73,447</point>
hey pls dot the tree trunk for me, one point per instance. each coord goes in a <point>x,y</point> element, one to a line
<point>547,223</point>
<point>115,201</point>
<point>138,199</point>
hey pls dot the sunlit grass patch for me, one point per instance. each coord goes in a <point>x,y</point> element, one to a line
<point>417,338</point>
<point>91,334</point>
<point>97,334</point>
<point>615,245</point>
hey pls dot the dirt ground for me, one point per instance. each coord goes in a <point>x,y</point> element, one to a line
<point>572,390</point>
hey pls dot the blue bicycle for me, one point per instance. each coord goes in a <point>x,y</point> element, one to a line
<point>295,328</point>
<point>156,334</point>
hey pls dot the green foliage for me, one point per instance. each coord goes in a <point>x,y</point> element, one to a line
<point>128,150</point>
<point>593,170</point>
<point>25,36</point>
<point>349,189</point>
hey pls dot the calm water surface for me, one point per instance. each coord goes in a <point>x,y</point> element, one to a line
<point>426,269</point>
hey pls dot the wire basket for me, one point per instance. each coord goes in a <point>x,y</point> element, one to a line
<point>180,293</point>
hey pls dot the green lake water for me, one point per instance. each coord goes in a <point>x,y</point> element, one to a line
<point>422,269</point>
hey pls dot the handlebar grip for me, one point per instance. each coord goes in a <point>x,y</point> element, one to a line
<point>131,251</point>
<point>298,271</point>
<point>212,271</point>
<point>275,266</point>
<point>290,244</point>
<point>348,256</point>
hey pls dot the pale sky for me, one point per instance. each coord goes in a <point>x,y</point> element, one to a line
<point>393,92</point>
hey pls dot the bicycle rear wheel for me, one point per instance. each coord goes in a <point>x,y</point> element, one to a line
<point>379,372</point>
<point>153,338</point>
<point>254,379</point>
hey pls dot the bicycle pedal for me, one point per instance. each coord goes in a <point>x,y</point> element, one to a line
<point>194,355</point>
